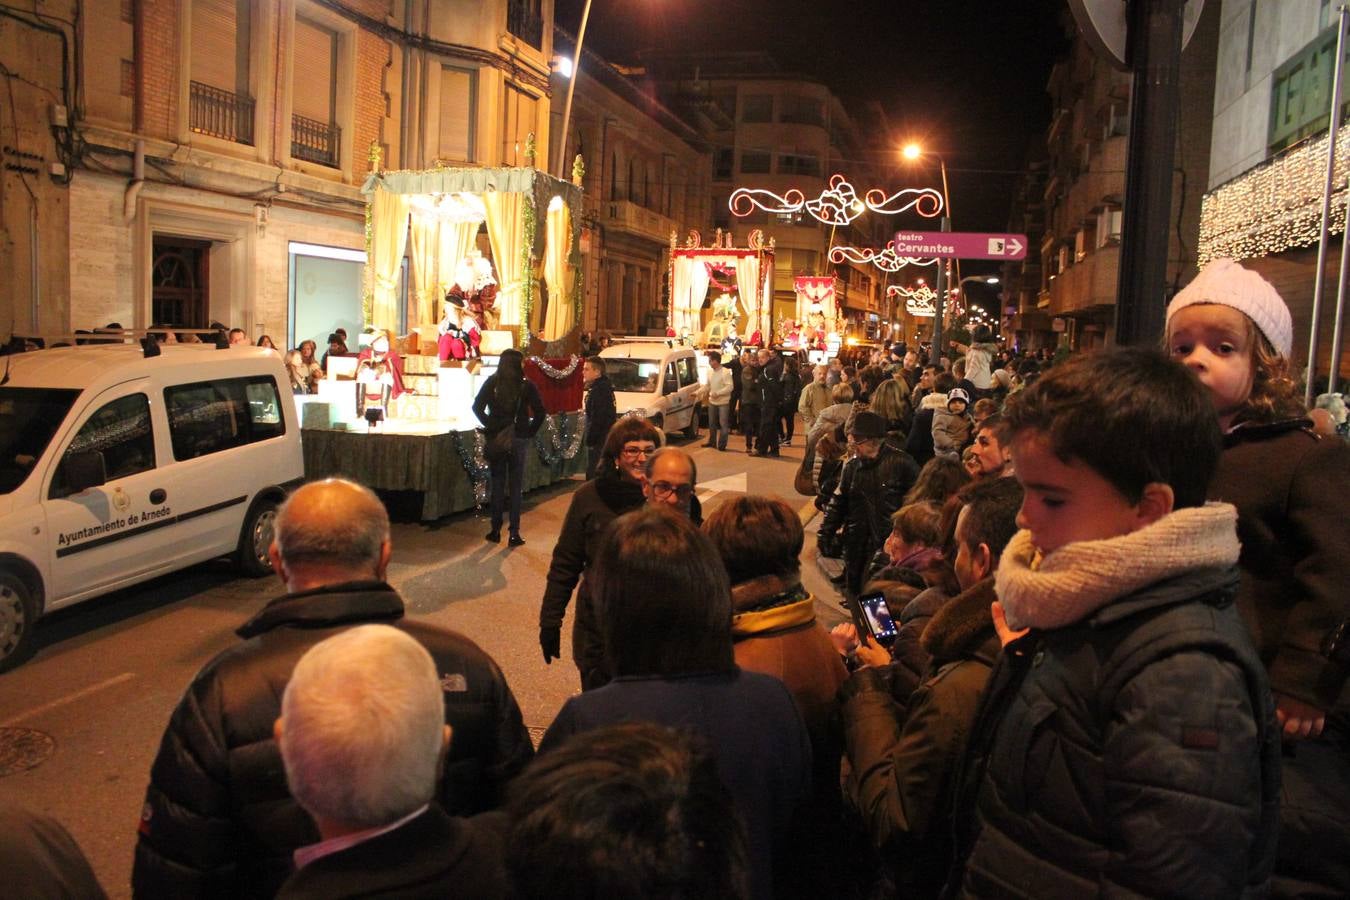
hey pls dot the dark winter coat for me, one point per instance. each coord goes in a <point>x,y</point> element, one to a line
<point>1287,484</point>
<point>432,857</point>
<point>41,861</point>
<point>905,756</point>
<point>869,492</point>
<point>1076,799</point>
<point>600,411</point>
<point>594,505</point>
<point>219,820</point>
<point>528,416</point>
<point>753,728</point>
<point>771,385</point>
<point>792,393</point>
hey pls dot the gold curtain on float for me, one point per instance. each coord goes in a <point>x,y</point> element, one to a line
<point>752,296</point>
<point>506,233</point>
<point>437,248</point>
<point>558,320</point>
<point>389,236</point>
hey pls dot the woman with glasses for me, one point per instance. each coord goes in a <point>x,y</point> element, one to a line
<point>616,489</point>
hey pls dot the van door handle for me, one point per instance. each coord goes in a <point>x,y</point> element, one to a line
<point>158,495</point>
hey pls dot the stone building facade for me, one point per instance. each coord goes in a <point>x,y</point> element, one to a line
<point>212,151</point>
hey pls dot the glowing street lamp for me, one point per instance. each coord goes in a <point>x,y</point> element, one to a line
<point>913,152</point>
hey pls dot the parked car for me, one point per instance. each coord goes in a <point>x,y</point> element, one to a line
<point>656,381</point>
<point>117,466</point>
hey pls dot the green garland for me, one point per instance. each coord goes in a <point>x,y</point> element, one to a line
<point>527,266</point>
<point>368,287</point>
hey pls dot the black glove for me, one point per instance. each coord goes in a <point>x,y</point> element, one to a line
<point>550,641</point>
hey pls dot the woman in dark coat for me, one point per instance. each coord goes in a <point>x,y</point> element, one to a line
<point>508,400</point>
<point>616,489</point>
<point>751,397</point>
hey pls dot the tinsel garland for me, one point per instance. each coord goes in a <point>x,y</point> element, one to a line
<point>475,466</point>
<point>556,374</point>
<point>527,269</point>
<point>368,282</point>
<point>558,445</point>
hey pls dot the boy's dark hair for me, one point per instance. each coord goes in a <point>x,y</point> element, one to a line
<point>597,362</point>
<point>627,812</point>
<point>712,354</point>
<point>943,382</point>
<point>663,596</point>
<point>991,506</point>
<point>756,536</point>
<point>1131,415</point>
<point>985,406</point>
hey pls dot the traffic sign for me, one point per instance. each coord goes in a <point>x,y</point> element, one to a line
<point>960,245</point>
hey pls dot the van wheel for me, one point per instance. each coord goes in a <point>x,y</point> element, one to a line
<point>18,615</point>
<point>256,538</point>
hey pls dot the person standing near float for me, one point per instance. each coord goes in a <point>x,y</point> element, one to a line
<point>601,412</point>
<point>508,400</point>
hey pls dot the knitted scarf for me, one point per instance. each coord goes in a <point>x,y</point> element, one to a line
<point>1073,582</point>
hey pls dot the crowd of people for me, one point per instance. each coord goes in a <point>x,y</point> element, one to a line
<point>1115,658</point>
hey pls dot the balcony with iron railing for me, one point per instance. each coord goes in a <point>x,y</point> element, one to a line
<point>220,113</point>
<point>314,141</point>
<point>523,19</point>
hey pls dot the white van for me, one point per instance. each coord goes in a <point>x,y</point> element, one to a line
<point>656,381</point>
<point>116,467</point>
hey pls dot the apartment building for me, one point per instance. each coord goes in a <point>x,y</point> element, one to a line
<point>647,175</point>
<point>1269,154</point>
<point>1071,274</point>
<point>773,129</point>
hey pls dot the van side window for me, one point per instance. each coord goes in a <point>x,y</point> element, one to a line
<point>210,416</point>
<point>688,371</point>
<point>670,385</point>
<point>120,431</point>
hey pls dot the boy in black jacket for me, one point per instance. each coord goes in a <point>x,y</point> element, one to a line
<point>1127,743</point>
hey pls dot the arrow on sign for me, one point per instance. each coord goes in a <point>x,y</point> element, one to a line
<point>960,245</point>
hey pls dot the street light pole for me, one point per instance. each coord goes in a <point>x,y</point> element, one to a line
<point>561,158</point>
<point>914,151</point>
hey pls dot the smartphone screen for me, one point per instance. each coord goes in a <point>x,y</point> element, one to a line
<point>876,616</point>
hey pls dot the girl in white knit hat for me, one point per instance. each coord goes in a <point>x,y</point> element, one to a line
<point>1232,328</point>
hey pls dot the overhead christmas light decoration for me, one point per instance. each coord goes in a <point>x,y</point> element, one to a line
<point>839,204</point>
<point>1275,206</point>
<point>919,301</point>
<point>886,259</point>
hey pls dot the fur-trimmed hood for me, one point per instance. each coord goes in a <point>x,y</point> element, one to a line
<point>963,626</point>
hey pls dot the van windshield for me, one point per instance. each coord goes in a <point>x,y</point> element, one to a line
<point>639,375</point>
<point>28,419</point>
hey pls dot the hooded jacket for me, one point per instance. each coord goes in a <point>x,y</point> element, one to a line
<point>219,819</point>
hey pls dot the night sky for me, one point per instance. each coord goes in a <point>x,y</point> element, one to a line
<point>966,78</point>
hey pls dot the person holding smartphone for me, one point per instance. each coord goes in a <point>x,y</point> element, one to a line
<point>904,757</point>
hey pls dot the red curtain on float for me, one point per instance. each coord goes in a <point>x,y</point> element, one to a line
<point>559,382</point>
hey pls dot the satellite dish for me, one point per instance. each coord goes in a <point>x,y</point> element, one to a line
<point>1104,25</point>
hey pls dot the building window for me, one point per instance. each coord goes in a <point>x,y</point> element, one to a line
<point>219,100</point>
<point>1108,227</point>
<point>801,111</point>
<point>525,19</point>
<point>798,164</point>
<point>756,162</point>
<point>315,136</point>
<point>757,108</point>
<point>457,114</point>
<point>724,160</point>
<point>519,123</point>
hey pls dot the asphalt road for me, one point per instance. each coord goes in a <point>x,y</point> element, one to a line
<point>81,721</point>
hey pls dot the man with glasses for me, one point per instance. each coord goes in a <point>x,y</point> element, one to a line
<point>873,484</point>
<point>671,476</point>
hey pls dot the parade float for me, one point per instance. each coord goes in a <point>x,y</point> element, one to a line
<point>732,285</point>
<point>399,417</point>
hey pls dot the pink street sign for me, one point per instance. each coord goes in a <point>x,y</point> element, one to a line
<point>960,245</point>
